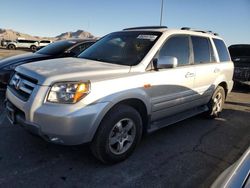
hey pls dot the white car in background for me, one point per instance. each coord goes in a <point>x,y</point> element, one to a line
<point>23,43</point>
<point>43,43</point>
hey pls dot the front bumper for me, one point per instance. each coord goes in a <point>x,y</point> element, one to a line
<point>242,75</point>
<point>57,123</point>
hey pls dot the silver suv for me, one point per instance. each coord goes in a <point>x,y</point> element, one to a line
<point>128,83</point>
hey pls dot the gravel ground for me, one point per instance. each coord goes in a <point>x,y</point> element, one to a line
<point>7,53</point>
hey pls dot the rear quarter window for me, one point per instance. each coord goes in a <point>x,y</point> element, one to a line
<point>222,50</point>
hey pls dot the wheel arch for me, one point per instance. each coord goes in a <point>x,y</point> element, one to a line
<point>225,87</point>
<point>139,106</point>
<point>135,103</point>
<point>11,44</point>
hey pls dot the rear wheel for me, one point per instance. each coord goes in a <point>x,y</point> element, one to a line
<point>118,134</point>
<point>11,47</point>
<point>216,103</point>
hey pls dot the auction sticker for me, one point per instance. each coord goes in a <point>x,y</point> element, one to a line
<point>147,37</point>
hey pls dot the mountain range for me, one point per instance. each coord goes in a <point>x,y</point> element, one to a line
<point>9,34</point>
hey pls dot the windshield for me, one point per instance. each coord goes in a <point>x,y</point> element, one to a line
<point>56,48</point>
<point>240,51</point>
<point>123,48</point>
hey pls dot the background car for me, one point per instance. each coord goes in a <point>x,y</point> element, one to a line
<point>240,54</point>
<point>23,43</point>
<point>4,42</point>
<point>43,43</point>
<point>59,49</point>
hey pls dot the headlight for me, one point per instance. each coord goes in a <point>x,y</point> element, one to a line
<point>68,92</point>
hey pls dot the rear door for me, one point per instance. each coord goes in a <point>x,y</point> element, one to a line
<point>206,68</point>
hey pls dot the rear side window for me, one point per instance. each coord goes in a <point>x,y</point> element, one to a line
<point>45,41</point>
<point>178,47</point>
<point>222,50</point>
<point>201,49</point>
<point>80,48</point>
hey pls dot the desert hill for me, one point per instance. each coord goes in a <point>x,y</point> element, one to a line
<point>9,34</point>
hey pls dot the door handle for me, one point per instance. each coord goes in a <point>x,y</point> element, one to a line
<point>216,70</point>
<point>189,74</point>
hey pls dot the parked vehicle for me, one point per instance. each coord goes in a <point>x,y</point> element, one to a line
<point>4,42</point>
<point>65,48</point>
<point>43,43</point>
<point>240,54</point>
<point>237,175</point>
<point>128,83</point>
<point>22,43</point>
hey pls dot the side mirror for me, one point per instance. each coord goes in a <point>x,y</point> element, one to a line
<point>165,62</point>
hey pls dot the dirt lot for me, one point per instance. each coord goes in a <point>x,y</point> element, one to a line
<point>7,53</point>
<point>191,153</point>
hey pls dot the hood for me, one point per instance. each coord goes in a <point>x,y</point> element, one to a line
<point>70,69</point>
<point>19,59</point>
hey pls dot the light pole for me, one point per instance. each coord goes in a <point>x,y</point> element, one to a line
<point>161,11</point>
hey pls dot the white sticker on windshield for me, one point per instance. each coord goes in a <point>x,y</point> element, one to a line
<point>147,37</point>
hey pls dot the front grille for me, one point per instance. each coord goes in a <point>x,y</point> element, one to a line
<point>22,86</point>
<point>242,74</point>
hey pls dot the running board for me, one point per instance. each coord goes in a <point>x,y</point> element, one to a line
<point>175,118</point>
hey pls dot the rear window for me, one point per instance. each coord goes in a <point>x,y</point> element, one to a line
<point>44,41</point>
<point>27,41</point>
<point>56,48</point>
<point>222,50</point>
<point>81,47</point>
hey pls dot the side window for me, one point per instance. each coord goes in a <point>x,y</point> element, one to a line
<point>222,50</point>
<point>177,46</point>
<point>202,50</point>
<point>80,48</point>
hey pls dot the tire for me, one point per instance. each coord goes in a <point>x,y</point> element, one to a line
<point>118,135</point>
<point>33,48</point>
<point>215,105</point>
<point>11,47</point>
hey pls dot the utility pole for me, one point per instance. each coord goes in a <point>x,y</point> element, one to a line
<point>161,11</point>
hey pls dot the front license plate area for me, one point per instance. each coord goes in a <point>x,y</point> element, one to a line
<point>11,113</point>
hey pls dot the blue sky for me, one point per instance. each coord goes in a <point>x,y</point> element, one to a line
<point>230,18</point>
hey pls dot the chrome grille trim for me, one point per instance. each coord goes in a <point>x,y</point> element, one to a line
<point>22,86</point>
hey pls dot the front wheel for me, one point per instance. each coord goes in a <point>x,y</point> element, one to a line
<point>11,47</point>
<point>216,103</point>
<point>33,48</point>
<point>118,134</point>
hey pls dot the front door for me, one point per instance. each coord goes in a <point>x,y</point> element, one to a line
<point>172,88</point>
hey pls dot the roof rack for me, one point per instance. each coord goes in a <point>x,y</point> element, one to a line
<point>201,31</point>
<point>146,27</point>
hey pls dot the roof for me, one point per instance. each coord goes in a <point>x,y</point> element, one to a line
<point>183,30</point>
